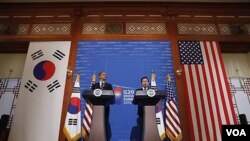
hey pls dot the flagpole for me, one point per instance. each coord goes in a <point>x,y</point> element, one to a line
<point>173,129</point>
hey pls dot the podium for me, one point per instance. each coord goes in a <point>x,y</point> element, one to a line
<point>97,130</point>
<point>150,131</point>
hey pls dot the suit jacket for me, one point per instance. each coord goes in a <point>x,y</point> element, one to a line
<point>107,86</point>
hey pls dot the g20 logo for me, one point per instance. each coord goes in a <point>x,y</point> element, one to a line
<point>129,92</point>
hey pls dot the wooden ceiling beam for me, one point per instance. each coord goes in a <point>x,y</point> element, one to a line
<point>163,8</point>
<point>235,47</point>
<point>14,47</point>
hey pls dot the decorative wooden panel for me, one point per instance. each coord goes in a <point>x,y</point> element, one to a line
<point>146,28</point>
<point>3,28</point>
<point>93,28</point>
<point>8,29</point>
<point>51,29</point>
<point>248,28</point>
<point>234,29</point>
<point>102,28</point>
<point>197,29</point>
<point>117,28</point>
<point>224,29</point>
<point>23,29</point>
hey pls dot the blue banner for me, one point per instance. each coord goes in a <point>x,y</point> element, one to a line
<point>125,62</point>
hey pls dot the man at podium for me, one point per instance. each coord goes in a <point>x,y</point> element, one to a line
<point>103,85</point>
<point>144,86</point>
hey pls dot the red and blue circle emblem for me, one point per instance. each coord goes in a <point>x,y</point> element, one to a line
<point>44,70</point>
<point>74,105</point>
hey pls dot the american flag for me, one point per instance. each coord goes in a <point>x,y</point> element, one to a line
<point>173,126</point>
<point>209,102</point>
<point>87,121</point>
<point>87,118</point>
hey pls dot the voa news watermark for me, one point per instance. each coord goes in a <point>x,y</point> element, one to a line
<point>236,132</point>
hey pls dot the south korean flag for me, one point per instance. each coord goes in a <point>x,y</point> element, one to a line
<point>42,91</point>
<point>44,65</point>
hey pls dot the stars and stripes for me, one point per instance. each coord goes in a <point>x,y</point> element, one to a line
<point>72,126</point>
<point>173,126</point>
<point>206,89</point>
<point>87,119</point>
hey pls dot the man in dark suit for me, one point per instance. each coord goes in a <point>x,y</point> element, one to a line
<point>103,85</point>
<point>144,87</point>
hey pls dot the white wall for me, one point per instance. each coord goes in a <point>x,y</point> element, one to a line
<point>14,62</point>
<point>237,61</point>
<point>239,80</point>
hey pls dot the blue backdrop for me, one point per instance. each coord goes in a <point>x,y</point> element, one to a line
<point>125,63</point>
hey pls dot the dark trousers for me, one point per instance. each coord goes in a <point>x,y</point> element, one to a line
<point>107,124</point>
<point>140,122</point>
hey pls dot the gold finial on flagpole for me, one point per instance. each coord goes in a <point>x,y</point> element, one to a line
<point>168,78</point>
<point>78,77</point>
<point>153,82</point>
<point>153,75</point>
<point>93,77</point>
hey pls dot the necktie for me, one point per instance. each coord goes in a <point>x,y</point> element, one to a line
<point>102,85</point>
